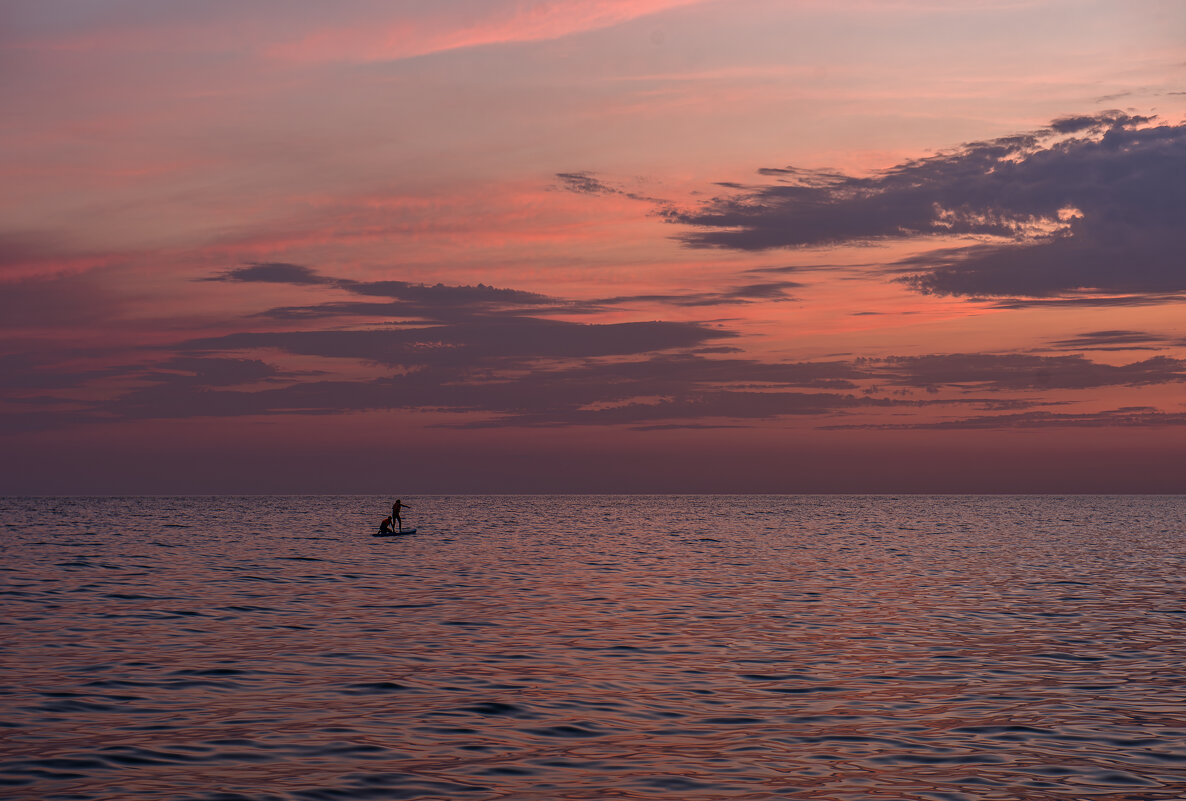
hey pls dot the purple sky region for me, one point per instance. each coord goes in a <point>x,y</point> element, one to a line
<point>665,246</point>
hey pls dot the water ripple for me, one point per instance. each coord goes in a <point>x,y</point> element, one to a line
<point>826,648</point>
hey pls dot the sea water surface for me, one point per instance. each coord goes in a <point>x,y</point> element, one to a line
<point>718,647</point>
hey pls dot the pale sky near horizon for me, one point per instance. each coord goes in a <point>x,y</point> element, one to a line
<point>593,245</point>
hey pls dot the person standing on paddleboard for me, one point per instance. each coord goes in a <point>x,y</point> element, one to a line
<point>395,507</point>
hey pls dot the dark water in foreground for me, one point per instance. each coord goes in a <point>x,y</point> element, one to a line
<point>753,647</point>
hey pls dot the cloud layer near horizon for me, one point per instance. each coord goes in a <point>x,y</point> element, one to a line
<point>492,358</point>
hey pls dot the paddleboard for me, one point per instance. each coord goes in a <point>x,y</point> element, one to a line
<point>394,533</point>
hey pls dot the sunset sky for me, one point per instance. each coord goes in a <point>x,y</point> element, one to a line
<point>434,246</point>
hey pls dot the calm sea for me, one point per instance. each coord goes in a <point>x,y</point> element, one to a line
<point>526,647</point>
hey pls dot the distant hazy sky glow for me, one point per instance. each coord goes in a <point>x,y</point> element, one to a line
<point>593,246</point>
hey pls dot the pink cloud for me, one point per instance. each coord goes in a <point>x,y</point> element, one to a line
<point>498,23</point>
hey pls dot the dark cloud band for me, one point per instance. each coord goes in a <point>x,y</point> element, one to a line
<point>1090,205</point>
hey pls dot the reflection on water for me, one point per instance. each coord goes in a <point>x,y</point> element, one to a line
<point>630,647</point>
